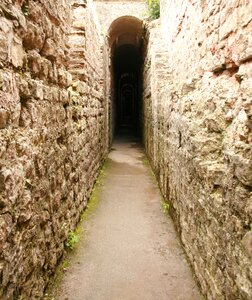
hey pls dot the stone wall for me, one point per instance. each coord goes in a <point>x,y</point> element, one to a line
<point>52,136</point>
<point>198,135</point>
<point>110,10</point>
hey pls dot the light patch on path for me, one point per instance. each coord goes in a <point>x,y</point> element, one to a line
<point>130,250</point>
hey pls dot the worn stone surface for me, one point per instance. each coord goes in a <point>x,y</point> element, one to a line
<point>52,135</point>
<point>198,134</point>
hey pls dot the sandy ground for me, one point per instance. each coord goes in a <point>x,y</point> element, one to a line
<point>129,250</point>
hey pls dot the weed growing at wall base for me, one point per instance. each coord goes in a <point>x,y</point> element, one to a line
<point>165,206</point>
<point>72,240</point>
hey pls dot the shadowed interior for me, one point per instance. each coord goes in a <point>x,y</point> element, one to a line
<point>126,60</point>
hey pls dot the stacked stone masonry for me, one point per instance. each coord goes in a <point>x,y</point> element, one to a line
<point>55,124</point>
<point>52,138</point>
<point>198,134</point>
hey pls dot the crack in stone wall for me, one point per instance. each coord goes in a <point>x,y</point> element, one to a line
<point>198,135</point>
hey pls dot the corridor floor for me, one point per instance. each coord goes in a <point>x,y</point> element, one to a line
<point>129,249</point>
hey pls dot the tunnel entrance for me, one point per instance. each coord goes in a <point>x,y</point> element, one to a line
<point>125,40</point>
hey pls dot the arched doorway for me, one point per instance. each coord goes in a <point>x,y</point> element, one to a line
<point>125,41</point>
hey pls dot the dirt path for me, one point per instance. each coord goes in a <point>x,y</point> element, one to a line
<point>130,250</point>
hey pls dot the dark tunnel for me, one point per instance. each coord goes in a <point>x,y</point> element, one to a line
<point>126,68</point>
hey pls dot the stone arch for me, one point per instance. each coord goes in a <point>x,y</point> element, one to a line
<point>125,39</point>
<point>125,30</point>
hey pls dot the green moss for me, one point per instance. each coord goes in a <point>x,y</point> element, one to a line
<point>75,236</point>
<point>146,161</point>
<point>65,264</point>
<point>94,197</point>
<point>147,164</point>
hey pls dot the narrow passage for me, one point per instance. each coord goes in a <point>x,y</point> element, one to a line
<point>130,250</point>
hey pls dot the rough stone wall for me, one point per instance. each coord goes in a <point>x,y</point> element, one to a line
<point>107,90</point>
<point>198,135</point>
<point>51,138</point>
